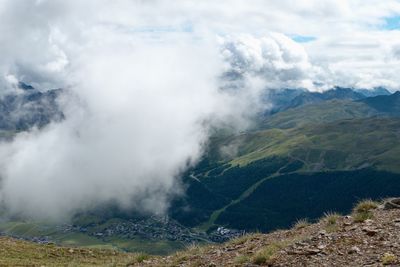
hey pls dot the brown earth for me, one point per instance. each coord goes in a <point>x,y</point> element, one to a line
<point>369,237</point>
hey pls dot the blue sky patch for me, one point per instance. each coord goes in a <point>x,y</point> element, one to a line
<point>303,38</point>
<point>392,23</point>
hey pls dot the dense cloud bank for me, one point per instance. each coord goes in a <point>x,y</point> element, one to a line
<point>148,80</point>
<point>276,59</point>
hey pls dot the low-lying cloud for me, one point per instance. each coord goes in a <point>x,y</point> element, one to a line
<point>138,111</point>
<point>146,81</point>
<point>135,128</point>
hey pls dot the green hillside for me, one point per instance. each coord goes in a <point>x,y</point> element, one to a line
<point>358,157</point>
<point>384,103</point>
<point>324,112</point>
<point>340,145</point>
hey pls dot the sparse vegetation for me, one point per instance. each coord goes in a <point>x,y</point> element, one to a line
<point>242,259</point>
<point>22,253</point>
<point>330,221</point>
<point>190,252</point>
<point>300,224</point>
<point>140,257</point>
<point>363,210</point>
<point>365,206</point>
<point>242,239</point>
<point>388,259</point>
<point>330,218</point>
<point>362,216</point>
<point>267,255</point>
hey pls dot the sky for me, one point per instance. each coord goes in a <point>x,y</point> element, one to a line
<point>351,43</point>
<point>147,84</point>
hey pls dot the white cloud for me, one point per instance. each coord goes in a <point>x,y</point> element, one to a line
<point>138,114</point>
<point>275,58</point>
<point>138,127</point>
<point>146,77</point>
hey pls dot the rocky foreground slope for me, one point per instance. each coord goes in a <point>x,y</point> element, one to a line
<point>370,236</point>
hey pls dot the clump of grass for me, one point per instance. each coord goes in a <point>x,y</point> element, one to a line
<point>365,206</point>
<point>141,257</point>
<point>330,218</point>
<point>242,259</point>
<point>194,248</point>
<point>267,255</point>
<point>300,224</point>
<point>242,239</point>
<point>330,221</point>
<point>388,259</point>
<point>191,252</point>
<point>181,258</point>
<point>362,216</point>
<point>363,210</point>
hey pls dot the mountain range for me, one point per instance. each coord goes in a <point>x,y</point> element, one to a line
<point>283,99</point>
<point>28,108</point>
<point>299,163</point>
<point>311,153</point>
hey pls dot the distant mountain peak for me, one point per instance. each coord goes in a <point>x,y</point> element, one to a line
<point>284,99</point>
<point>24,86</point>
<point>29,108</point>
<point>385,103</point>
<point>374,91</point>
<point>316,97</point>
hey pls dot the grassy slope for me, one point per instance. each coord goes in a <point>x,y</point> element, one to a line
<point>337,145</point>
<point>340,145</point>
<point>345,145</point>
<point>21,253</point>
<point>324,112</point>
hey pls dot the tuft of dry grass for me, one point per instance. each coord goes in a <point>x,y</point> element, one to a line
<point>242,259</point>
<point>330,218</point>
<point>363,210</point>
<point>191,252</point>
<point>243,239</point>
<point>365,206</point>
<point>362,216</point>
<point>267,255</point>
<point>141,257</point>
<point>300,224</point>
